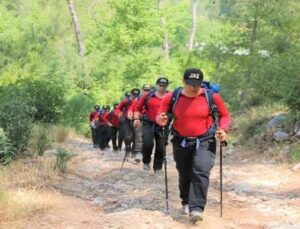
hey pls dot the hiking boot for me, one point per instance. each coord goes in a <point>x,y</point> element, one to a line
<point>185,209</point>
<point>196,216</point>
<point>137,160</point>
<point>158,172</point>
<point>147,167</point>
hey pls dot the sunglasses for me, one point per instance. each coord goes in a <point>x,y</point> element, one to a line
<point>162,85</point>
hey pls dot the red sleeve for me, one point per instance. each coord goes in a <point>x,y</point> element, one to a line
<point>164,107</point>
<point>91,116</point>
<point>224,117</point>
<point>140,105</point>
<point>120,106</point>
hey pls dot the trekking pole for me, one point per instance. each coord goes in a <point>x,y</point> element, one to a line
<point>125,156</point>
<point>165,164</point>
<point>222,144</point>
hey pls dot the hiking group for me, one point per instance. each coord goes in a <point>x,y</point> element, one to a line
<point>194,114</point>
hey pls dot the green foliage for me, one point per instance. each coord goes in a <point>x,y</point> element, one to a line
<point>75,113</point>
<point>294,155</point>
<point>41,73</point>
<point>39,139</point>
<point>16,117</point>
<point>251,126</point>
<point>62,157</point>
<point>46,96</point>
<point>7,153</point>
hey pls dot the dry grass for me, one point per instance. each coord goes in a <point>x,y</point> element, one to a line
<point>22,191</point>
<point>24,203</point>
<point>60,134</point>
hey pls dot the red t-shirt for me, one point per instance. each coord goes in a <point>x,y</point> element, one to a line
<point>133,104</point>
<point>192,114</point>
<point>113,119</point>
<point>123,107</point>
<point>103,118</point>
<point>150,109</point>
<point>94,115</point>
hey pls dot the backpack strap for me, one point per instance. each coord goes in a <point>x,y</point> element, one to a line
<point>212,106</point>
<point>128,102</point>
<point>149,96</point>
<point>173,102</point>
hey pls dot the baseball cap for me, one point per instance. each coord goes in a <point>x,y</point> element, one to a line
<point>146,87</point>
<point>162,81</point>
<point>135,92</point>
<point>106,107</point>
<point>193,76</point>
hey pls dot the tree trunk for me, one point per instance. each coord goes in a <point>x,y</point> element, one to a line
<point>194,25</point>
<point>165,45</point>
<point>81,82</point>
<point>77,27</point>
<point>254,28</point>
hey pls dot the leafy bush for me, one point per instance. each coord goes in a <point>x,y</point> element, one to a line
<point>17,116</point>
<point>252,125</point>
<point>46,96</point>
<point>76,111</point>
<point>39,140</point>
<point>62,157</point>
<point>7,152</point>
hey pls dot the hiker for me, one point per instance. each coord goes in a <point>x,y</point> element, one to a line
<point>145,88</point>
<point>122,114</point>
<point>137,130</point>
<point>104,127</point>
<point>126,125</point>
<point>145,113</point>
<point>194,137</point>
<point>94,124</point>
<point>114,124</point>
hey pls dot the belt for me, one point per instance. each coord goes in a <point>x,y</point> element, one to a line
<point>193,141</point>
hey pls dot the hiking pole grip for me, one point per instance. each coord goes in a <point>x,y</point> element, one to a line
<point>224,143</point>
<point>165,165</point>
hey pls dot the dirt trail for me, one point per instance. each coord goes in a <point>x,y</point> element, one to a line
<point>257,194</point>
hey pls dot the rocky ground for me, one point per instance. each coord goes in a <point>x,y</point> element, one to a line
<point>95,193</point>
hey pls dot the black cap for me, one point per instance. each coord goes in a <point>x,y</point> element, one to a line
<point>96,107</point>
<point>135,92</point>
<point>162,81</point>
<point>146,87</point>
<point>193,76</point>
<point>115,105</point>
<point>106,107</point>
<point>127,94</point>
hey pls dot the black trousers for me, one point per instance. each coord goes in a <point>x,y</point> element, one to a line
<point>94,139</point>
<point>194,166</point>
<point>96,136</point>
<point>103,136</point>
<point>113,136</point>
<point>153,133</point>
<point>127,132</point>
